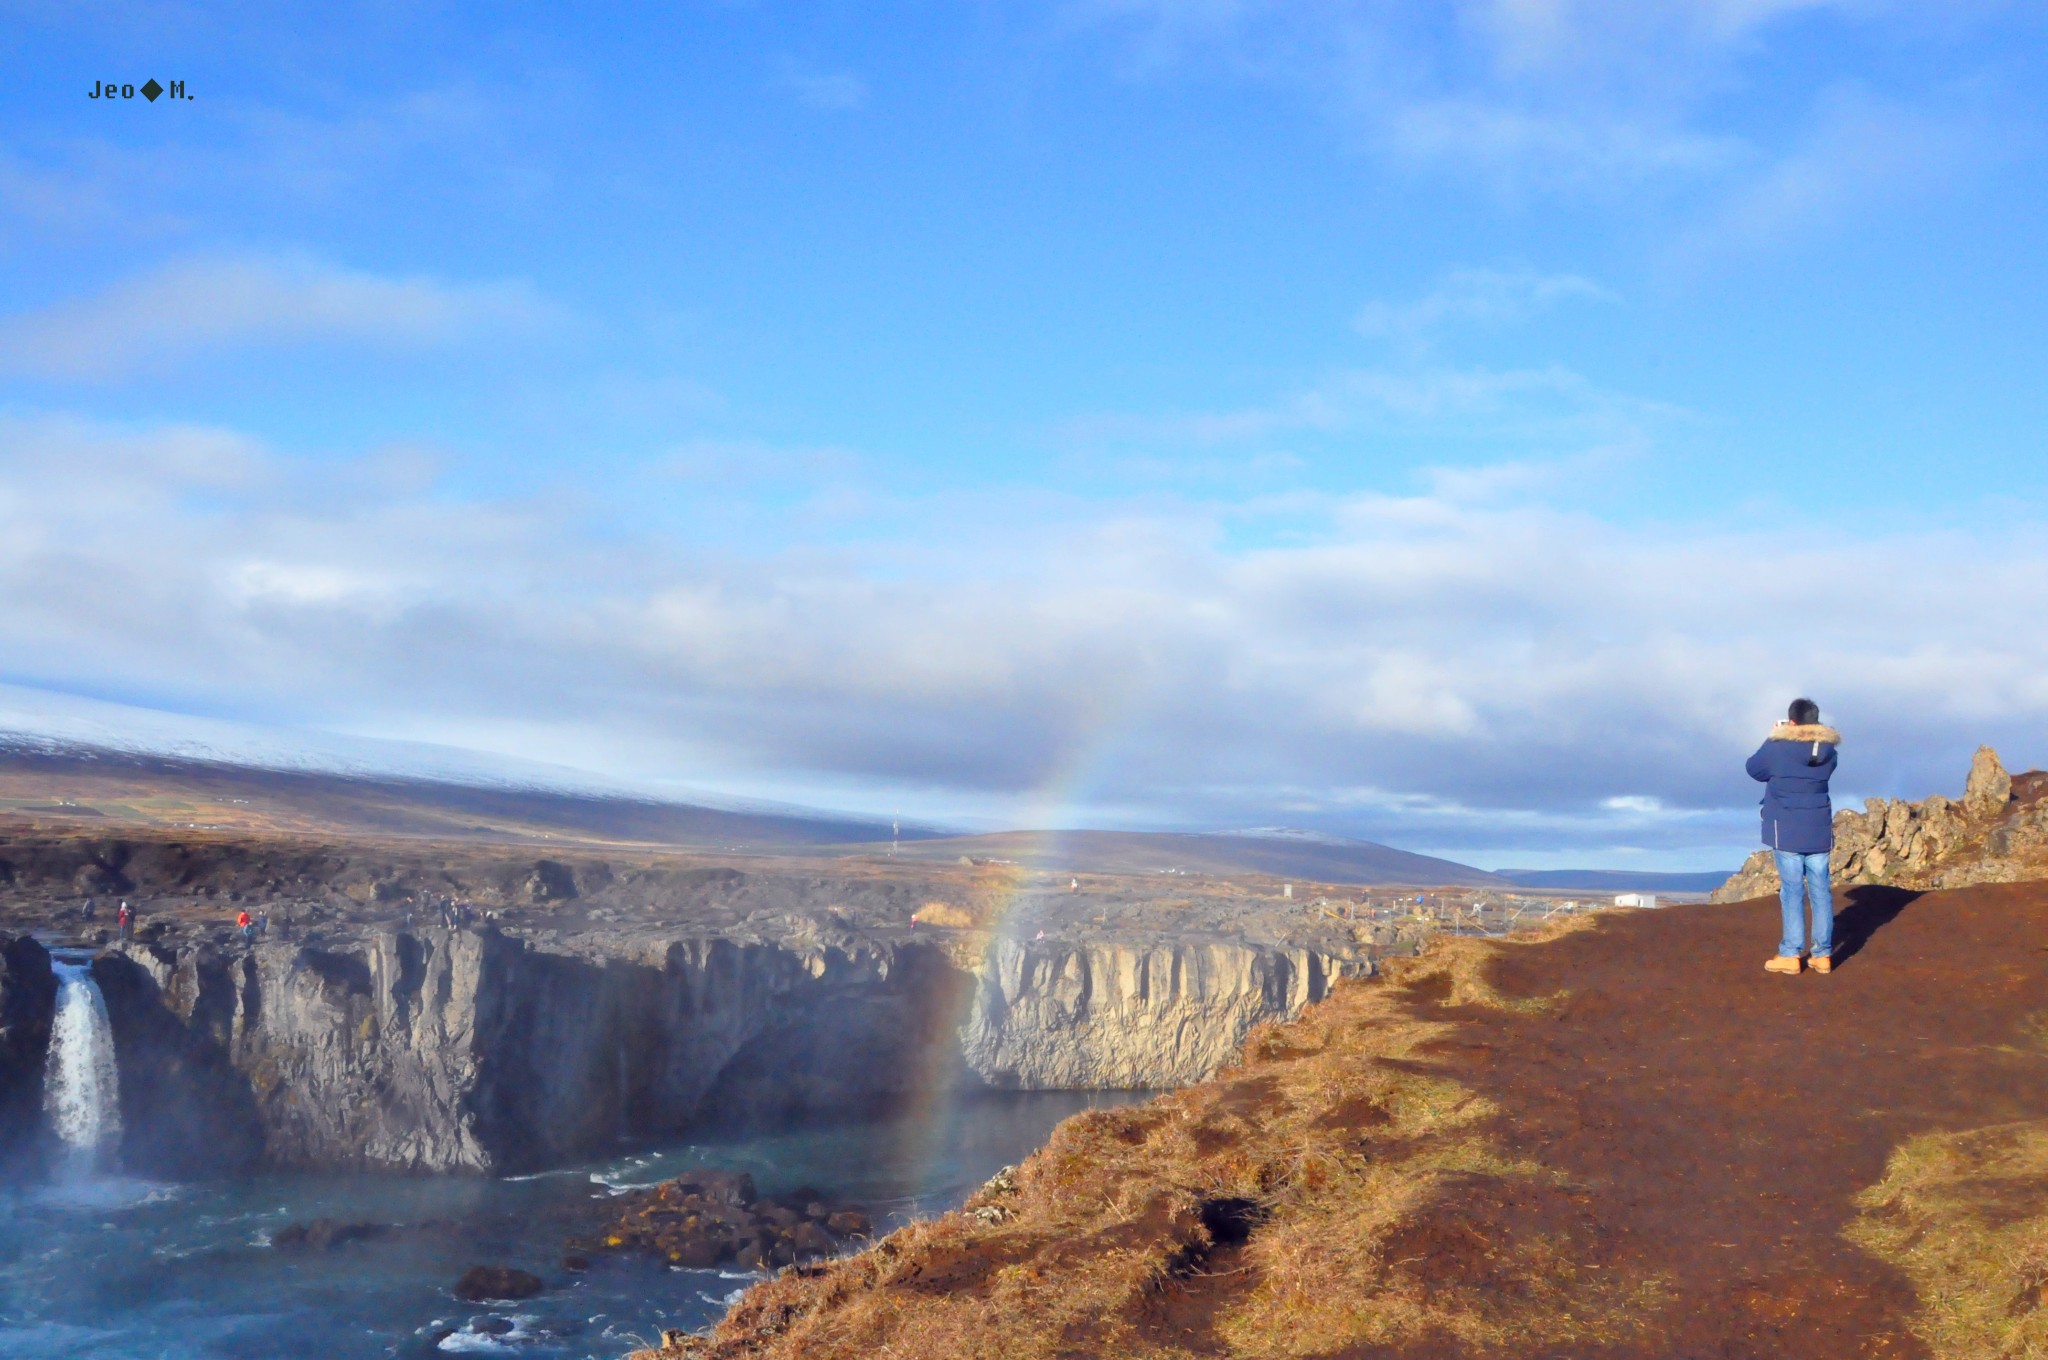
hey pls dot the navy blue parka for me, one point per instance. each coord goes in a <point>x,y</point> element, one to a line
<point>1794,765</point>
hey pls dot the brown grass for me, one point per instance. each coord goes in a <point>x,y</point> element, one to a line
<point>1380,1212</point>
<point>1965,1216</point>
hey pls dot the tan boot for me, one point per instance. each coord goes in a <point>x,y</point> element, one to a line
<point>1821,963</point>
<point>1783,964</point>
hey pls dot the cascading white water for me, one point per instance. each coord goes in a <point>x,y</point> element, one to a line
<point>81,1086</point>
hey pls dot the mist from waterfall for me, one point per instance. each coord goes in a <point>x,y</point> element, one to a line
<point>81,1085</point>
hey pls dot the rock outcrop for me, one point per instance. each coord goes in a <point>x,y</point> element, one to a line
<point>1997,833</point>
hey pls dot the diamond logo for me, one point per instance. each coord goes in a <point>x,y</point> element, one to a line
<point>152,90</point>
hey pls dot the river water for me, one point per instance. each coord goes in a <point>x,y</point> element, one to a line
<point>94,1264</point>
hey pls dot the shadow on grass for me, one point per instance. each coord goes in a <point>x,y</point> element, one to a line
<point>1871,908</point>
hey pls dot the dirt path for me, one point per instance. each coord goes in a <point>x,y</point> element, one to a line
<point>1718,1119</point>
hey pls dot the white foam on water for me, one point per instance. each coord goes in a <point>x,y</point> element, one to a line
<point>614,1177</point>
<point>473,1342</point>
<point>100,1194</point>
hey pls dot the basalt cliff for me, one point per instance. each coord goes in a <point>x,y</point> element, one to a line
<point>598,1001</point>
<point>1996,833</point>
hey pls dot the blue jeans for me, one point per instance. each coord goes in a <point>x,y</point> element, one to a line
<point>1805,876</point>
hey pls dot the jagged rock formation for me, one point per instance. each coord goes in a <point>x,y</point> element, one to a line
<point>1997,833</point>
<point>472,1050</point>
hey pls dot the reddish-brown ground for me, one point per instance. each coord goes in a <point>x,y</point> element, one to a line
<point>1703,1129</point>
<point>1724,1117</point>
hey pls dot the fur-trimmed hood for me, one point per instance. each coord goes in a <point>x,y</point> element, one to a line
<point>1786,731</point>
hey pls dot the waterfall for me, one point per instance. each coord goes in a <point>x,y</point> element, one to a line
<point>81,1088</point>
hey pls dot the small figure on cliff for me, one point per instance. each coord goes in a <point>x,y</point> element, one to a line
<point>123,919</point>
<point>263,923</point>
<point>1794,764</point>
<point>246,926</point>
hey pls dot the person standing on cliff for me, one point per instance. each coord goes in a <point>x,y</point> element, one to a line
<point>1794,764</point>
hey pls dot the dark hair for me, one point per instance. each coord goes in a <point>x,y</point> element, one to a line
<point>1803,711</point>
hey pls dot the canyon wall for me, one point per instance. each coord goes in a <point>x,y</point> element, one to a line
<point>472,1050</point>
<point>1115,1015</point>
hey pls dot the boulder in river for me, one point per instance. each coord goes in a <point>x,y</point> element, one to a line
<point>324,1234</point>
<point>497,1282</point>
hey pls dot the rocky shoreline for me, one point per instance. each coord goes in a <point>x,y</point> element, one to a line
<point>704,1219</point>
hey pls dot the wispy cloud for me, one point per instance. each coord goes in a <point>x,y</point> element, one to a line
<point>189,308</point>
<point>1625,103</point>
<point>840,91</point>
<point>1484,298</point>
<point>1859,152</point>
<point>1437,401</point>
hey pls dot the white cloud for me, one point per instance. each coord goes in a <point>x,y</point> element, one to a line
<point>1524,403</point>
<point>1647,104</point>
<point>1488,298</point>
<point>1858,152</point>
<point>188,308</point>
<point>1490,671</point>
<point>838,91</point>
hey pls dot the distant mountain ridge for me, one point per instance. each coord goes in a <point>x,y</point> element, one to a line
<point>48,721</point>
<point>313,782</point>
<point>1312,857</point>
<point>44,780</point>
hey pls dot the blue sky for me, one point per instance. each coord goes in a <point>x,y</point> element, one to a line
<point>1459,424</point>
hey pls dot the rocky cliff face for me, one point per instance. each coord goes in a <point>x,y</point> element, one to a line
<point>1130,1015</point>
<point>466,1050</point>
<point>1997,833</point>
<point>28,998</point>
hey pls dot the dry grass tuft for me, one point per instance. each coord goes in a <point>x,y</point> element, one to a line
<point>1334,1190</point>
<point>1965,1216</point>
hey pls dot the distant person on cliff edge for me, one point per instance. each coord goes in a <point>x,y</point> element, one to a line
<point>1795,763</point>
